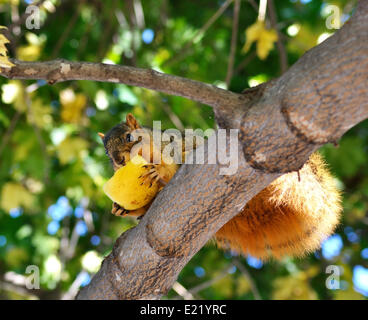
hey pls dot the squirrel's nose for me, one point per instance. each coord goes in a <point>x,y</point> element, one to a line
<point>118,164</point>
<point>122,162</point>
<point>118,159</point>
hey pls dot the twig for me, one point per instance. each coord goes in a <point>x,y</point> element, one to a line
<point>108,34</point>
<point>64,242</point>
<point>84,40</point>
<point>87,214</point>
<point>73,289</point>
<point>254,5</point>
<point>139,14</point>
<point>6,286</point>
<point>72,243</point>
<point>105,240</point>
<point>15,282</point>
<point>182,291</point>
<point>211,282</point>
<point>173,117</point>
<point>234,36</point>
<point>15,17</point>
<point>245,62</point>
<point>121,19</point>
<point>132,22</point>
<point>246,274</point>
<point>280,44</point>
<point>183,52</point>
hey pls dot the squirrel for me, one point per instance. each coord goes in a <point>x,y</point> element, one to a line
<point>290,217</point>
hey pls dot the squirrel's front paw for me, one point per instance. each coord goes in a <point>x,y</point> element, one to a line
<point>118,211</point>
<point>151,176</point>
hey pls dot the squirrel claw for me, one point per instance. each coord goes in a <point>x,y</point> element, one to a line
<point>150,176</point>
<point>118,211</point>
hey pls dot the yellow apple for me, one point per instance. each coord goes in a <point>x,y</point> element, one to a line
<point>126,186</point>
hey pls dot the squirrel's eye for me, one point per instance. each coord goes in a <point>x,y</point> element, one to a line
<point>129,137</point>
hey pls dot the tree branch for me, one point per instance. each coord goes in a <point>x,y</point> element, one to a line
<point>62,70</point>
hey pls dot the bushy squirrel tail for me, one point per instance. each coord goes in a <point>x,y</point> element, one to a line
<point>292,216</point>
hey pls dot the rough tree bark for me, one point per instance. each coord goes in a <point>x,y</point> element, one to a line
<point>280,124</point>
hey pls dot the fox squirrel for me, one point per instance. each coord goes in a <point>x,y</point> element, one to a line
<point>292,216</point>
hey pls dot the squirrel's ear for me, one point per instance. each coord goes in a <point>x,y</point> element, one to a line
<point>102,136</point>
<point>132,122</point>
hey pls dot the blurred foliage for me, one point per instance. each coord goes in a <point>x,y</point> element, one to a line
<point>53,213</point>
<point>264,38</point>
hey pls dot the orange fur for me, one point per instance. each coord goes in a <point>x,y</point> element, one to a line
<point>289,217</point>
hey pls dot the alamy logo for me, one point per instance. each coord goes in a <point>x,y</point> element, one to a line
<point>33,280</point>
<point>333,280</point>
<point>333,20</point>
<point>167,146</point>
<point>33,19</point>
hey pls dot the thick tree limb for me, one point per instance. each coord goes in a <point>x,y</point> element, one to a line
<point>281,123</point>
